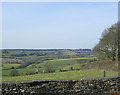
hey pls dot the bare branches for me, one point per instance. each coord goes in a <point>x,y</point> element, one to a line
<point>108,44</point>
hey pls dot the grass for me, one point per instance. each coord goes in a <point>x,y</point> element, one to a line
<point>20,71</point>
<point>75,66</point>
<point>62,62</point>
<point>62,75</point>
<point>107,65</point>
<point>7,66</point>
<point>58,63</point>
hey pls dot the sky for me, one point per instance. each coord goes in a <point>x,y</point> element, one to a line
<point>50,25</point>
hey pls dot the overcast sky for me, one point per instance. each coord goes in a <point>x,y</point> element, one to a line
<point>56,25</point>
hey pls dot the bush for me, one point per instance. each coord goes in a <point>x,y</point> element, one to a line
<point>28,73</point>
<point>49,68</point>
<point>71,68</point>
<point>14,72</point>
<point>25,73</point>
<point>90,60</point>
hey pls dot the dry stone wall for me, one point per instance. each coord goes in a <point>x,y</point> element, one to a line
<point>62,87</point>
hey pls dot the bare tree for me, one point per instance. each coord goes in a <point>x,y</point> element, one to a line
<point>108,44</point>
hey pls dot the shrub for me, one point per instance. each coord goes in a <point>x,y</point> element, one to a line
<point>71,68</point>
<point>28,73</point>
<point>14,72</point>
<point>25,73</point>
<point>49,68</point>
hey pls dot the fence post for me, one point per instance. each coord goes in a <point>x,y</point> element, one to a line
<point>104,75</point>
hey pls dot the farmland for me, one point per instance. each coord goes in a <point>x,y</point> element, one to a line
<point>62,75</point>
<point>49,64</point>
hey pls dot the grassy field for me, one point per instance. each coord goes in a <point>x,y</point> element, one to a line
<point>7,66</point>
<point>58,63</point>
<point>20,71</point>
<point>75,66</point>
<point>62,75</point>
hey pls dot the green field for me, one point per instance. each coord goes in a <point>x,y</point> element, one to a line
<point>7,66</point>
<point>62,75</point>
<point>58,63</point>
<point>64,64</point>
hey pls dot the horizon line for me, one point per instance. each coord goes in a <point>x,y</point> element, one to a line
<point>44,48</point>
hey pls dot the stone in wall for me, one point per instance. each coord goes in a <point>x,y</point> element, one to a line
<point>63,87</point>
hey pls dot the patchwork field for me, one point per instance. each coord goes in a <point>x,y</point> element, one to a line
<point>58,64</point>
<point>21,65</point>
